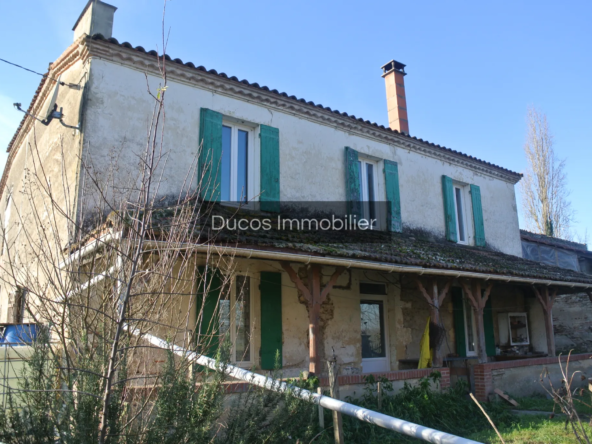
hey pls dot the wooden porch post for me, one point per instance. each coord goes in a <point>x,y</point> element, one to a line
<point>314,296</point>
<point>547,299</point>
<point>435,302</point>
<point>478,299</point>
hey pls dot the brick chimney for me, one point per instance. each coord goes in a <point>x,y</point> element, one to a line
<point>96,18</point>
<point>394,79</point>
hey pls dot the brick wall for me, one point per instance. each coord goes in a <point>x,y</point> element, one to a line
<point>343,380</point>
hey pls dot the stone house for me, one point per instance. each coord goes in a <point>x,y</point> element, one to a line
<point>445,243</point>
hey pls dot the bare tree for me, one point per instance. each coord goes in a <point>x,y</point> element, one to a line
<point>545,197</point>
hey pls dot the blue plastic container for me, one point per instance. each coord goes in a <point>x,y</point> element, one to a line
<point>20,334</point>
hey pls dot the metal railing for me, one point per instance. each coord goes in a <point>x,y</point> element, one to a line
<point>363,414</point>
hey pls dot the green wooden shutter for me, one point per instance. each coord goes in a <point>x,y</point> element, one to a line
<point>352,182</point>
<point>458,314</point>
<point>270,168</point>
<point>210,138</point>
<point>488,327</point>
<point>449,209</point>
<point>478,216</point>
<point>393,197</point>
<point>209,282</point>
<point>271,319</point>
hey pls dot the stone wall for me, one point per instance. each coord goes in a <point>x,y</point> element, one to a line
<point>522,378</point>
<point>572,319</point>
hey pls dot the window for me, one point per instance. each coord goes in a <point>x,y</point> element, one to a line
<point>237,163</point>
<point>372,325</point>
<point>459,203</point>
<point>235,318</point>
<point>368,189</point>
<point>470,328</point>
<point>518,329</point>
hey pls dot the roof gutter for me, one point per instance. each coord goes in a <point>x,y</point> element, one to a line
<point>250,253</point>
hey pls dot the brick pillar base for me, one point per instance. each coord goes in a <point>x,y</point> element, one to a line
<point>483,382</point>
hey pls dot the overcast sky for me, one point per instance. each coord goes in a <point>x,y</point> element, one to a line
<point>473,67</point>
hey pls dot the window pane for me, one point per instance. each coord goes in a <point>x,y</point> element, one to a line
<point>225,163</point>
<point>370,178</point>
<point>224,318</point>
<point>518,329</point>
<point>361,177</point>
<point>372,329</point>
<point>242,163</point>
<point>372,288</point>
<point>459,215</point>
<point>243,318</point>
<point>469,324</point>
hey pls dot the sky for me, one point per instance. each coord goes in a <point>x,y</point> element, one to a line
<point>473,67</point>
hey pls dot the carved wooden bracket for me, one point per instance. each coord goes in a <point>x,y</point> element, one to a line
<point>473,291</point>
<point>435,301</point>
<point>546,298</point>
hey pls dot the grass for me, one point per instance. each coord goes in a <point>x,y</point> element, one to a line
<point>542,404</point>
<point>453,412</point>
<point>531,429</point>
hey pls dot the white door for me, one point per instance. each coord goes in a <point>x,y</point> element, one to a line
<point>375,357</point>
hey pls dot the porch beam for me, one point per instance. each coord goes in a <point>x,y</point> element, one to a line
<point>314,296</point>
<point>478,298</point>
<point>434,301</point>
<point>547,299</point>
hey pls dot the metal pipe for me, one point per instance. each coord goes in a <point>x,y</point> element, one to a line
<point>98,242</point>
<point>366,415</point>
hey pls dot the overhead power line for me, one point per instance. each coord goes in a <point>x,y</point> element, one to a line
<point>34,72</point>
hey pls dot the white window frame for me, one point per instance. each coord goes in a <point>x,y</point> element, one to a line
<point>252,162</point>
<point>475,352</point>
<point>462,188</point>
<point>371,363</point>
<point>362,161</point>
<point>233,325</point>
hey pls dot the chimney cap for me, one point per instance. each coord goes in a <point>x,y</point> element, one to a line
<point>86,8</point>
<point>393,65</point>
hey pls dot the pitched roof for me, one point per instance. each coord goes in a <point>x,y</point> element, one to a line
<point>555,242</point>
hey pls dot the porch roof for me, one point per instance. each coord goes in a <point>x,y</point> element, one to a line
<point>413,249</point>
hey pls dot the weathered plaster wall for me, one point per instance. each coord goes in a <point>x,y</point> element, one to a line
<point>44,169</point>
<point>311,158</point>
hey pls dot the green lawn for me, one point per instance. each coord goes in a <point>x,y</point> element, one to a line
<point>541,403</point>
<point>532,429</point>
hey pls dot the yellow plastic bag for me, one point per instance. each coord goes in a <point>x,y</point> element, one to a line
<point>425,354</point>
